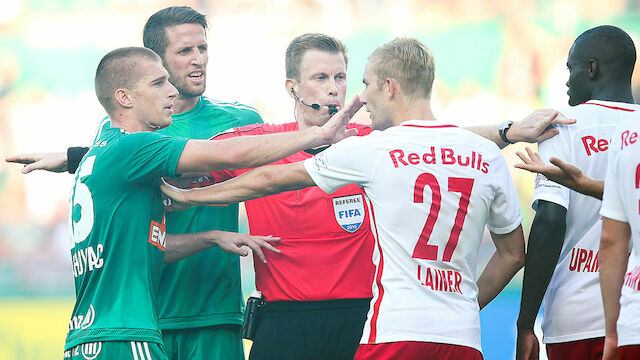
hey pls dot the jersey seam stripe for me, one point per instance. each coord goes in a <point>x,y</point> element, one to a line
<point>234,106</point>
<point>610,107</point>
<point>376,305</point>
<point>100,126</point>
<point>140,352</point>
<point>133,350</point>
<point>146,350</point>
<point>222,103</point>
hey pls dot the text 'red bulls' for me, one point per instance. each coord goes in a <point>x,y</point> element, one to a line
<point>445,156</point>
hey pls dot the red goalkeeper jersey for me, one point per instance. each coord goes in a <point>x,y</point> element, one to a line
<point>326,244</point>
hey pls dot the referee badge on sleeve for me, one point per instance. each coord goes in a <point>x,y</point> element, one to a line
<point>349,211</point>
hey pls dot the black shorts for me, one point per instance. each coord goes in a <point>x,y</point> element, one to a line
<point>310,330</point>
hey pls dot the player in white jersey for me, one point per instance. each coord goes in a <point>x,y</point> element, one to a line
<point>430,188</point>
<point>621,212</point>
<point>565,234</point>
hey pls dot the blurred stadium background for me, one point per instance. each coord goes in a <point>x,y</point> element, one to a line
<point>495,60</point>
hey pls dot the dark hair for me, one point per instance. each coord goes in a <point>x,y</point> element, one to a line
<point>154,34</point>
<point>311,41</point>
<point>611,47</point>
<point>120,69</point>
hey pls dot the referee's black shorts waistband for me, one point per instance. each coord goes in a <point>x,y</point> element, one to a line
<point>289,306</point>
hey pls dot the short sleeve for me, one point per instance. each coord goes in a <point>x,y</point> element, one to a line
<point>148,155</point>
<point>545,189</point>
<point>227,134</point>
<point>504,212</point>
<point>346,162</point>
<point>612,204</point>
<point>219,176</point>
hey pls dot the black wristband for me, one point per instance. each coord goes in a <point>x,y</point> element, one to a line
<point>502,131</point>
<point>74,156</point>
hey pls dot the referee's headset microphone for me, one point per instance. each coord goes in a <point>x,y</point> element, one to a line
<point>332,108</point>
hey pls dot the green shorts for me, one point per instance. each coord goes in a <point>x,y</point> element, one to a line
<point>125,350</point>
<point>220,342</point>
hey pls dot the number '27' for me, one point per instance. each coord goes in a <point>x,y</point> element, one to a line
<point>423,249</point>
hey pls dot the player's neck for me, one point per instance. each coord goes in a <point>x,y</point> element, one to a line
<point>129,126</point>
<point>129,123</point>
<point>419,109</point>
<point>183,104</point>
<point>614,93</point>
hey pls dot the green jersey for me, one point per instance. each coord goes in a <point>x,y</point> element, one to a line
<point>204,289</point>
<point>118,234</point>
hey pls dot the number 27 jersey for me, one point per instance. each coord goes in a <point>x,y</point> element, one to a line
<point>431,188</point>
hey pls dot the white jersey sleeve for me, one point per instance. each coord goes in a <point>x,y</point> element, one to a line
<point>612,204</point>
<point>621,202</point>
<point>504,213</point>
<point>545,189</point>
<point>343,163</point>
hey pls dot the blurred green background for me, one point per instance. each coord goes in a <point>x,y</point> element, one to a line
<point>495,60</point>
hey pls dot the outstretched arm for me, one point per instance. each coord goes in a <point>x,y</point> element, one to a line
<point>503,265</point>
<point>184,245</point>
<point>536,127</point>
<point>54,162</point>
<point>614,255</point>
<point>561,172</point>
<point>543,251</point>
<point>251,151</point>
<point>259,182</point>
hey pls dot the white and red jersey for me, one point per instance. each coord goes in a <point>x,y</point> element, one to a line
<point>431,188</point>
<point>326,239</point>
<point>621,202</point>
<point>572,305</point>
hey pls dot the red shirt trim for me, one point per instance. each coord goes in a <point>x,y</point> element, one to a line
<point>610,107</point>
<point>376,306</point>
<point>434,126</point>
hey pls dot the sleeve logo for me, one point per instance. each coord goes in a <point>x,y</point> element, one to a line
<point>349,212</point>
<point>158,234</point>
<point>542,181</point>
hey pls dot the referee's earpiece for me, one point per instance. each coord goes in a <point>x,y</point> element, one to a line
<point>301,101</point>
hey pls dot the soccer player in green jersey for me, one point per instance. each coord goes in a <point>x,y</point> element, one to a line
<point>199,298</point>
<point>117,222</point>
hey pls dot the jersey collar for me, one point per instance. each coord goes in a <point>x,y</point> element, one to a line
<point>191,111</point>
<point>428,124</point>
<point>613,105</point>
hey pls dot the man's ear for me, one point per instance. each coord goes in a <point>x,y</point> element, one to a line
<point>592,69</point>
<point>289,84</point>
<point>123,98</point>
<point>391,87</point>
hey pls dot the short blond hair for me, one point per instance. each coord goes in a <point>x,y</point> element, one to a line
<point>409,62</point>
